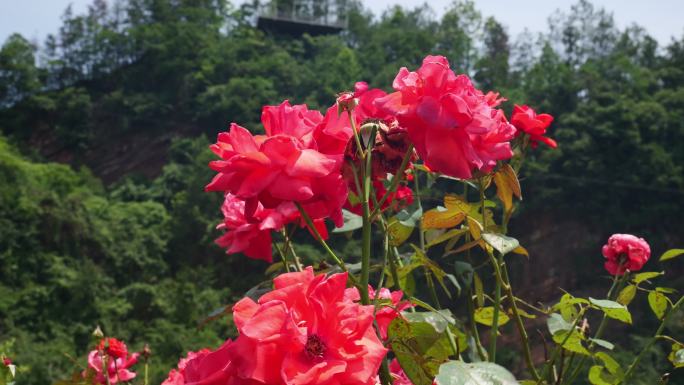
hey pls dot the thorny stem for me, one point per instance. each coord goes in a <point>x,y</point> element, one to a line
<point>658,332</point>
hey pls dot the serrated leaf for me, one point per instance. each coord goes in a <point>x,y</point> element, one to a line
<point>501,243</point>
<point>627,295</point>
<point>485,316</point>
<point>351,222</point>
<point>602,343</point>
<point>612,309</point>
<point>478,373</point>
<point>641,277</point>
<point>658,303</point>
<point>670,254</point>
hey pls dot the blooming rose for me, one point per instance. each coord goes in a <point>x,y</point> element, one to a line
<point>250,232</point>
<point>204,367</point>
<point>113,347</point>
<point>306,331</point>
<point>117,368</point>
<point>625,252</point>
<point>285,165</point>
<point>527,120</point>
<point>453,125</point>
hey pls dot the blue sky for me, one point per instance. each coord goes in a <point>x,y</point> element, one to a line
<point>662,18</point>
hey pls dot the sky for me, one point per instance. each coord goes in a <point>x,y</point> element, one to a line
<point>662,18</point>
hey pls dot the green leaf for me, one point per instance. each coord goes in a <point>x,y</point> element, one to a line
<point>573,341</point>
<point>501,243</point>
<point>658,303</point>
<point>641,277</point>
<point>351,222</point>
<point>419,348</point>
<point>627,295</point>
<point>666,290</point>
<point>438,320</point>
<point>557,323</point>
<point>612,309</point>
<point>673,253</point>
<point>610,364</point>
<point>602,343</point>
<point>479,373</point>
<point>598,376</point>
<point>485,316</point>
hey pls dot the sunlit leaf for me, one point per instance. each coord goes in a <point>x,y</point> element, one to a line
<point>446,236</point>
<point>485,316</point>
<point>571,340</point>
<point>676,356</point>
<point>598,376</point>
<point>479,292</point>
<point>673,253</point>
<point>501,243</point>
<point>638,278</point>
<point>478,373</point>
<point>442,218</point>
<point>507,185</point>
<point>612,309</point>
<point>398,232</point>
<point>602,343</point>
<point>521,250</point>
<point>475,228</point>
<point>556,323</point>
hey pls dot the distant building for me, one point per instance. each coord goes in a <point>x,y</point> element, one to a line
<point>295,17</point>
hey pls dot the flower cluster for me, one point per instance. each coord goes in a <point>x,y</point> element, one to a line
<point>311,160</point>
<point>110,362</point>
<point>309,330</point>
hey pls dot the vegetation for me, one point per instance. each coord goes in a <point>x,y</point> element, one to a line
<point>136,255</point>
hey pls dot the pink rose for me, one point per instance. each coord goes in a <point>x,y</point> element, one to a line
<point>527,120</point>
<point>625,252</point>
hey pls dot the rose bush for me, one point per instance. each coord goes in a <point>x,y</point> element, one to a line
<point>361,167</point>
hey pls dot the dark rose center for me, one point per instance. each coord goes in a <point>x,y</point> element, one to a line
<point>315,347</point>
<point>622,258</point>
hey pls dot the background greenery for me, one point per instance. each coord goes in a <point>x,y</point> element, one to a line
<point>135,89</point>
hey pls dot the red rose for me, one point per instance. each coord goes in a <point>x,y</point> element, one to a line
<point>625,252</point>
<point>113,347</point>
<point>527,120</point>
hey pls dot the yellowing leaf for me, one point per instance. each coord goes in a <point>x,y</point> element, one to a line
<point>507,186</point>
<point>658,303</point>
<point>485,316</point>
<point>475,228</point>
<point>627,295</point>
<point>521,251</point>
<point>456,203</point>
<point>442,219</point>
<point>398,232</point>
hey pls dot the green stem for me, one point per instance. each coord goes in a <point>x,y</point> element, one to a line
<point>497,289</point>
<point>289,248</point>
<point>322,241</point>
<point>559,347</point>
<point>617,283</point>
<point>147,372</point>
<point>658,332</point>
<point>366,230</point>
<point>282,256</point>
